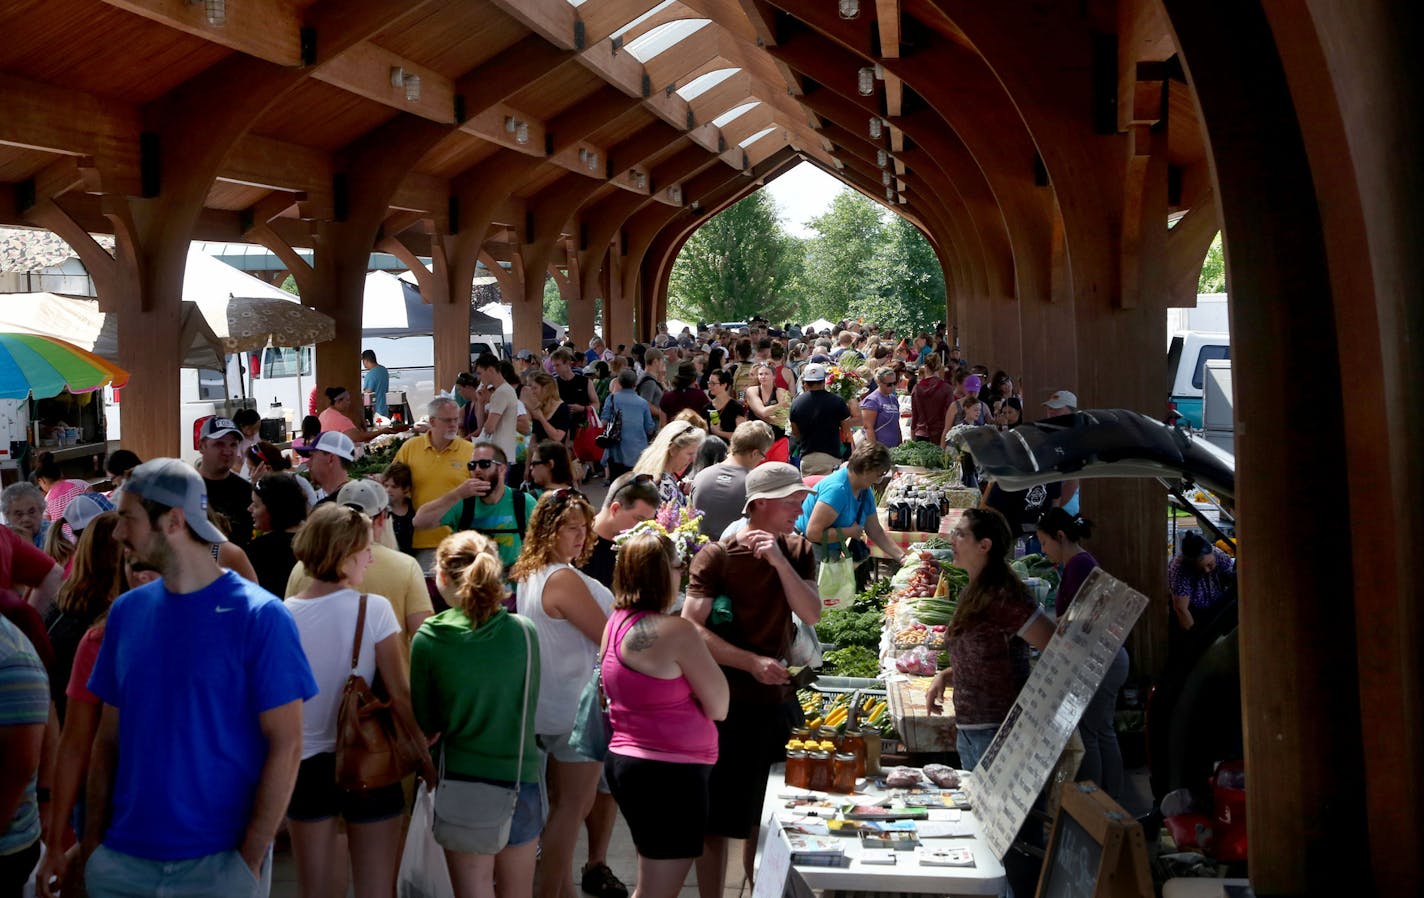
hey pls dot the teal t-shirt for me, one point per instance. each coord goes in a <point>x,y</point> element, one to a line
<point>495,521</point>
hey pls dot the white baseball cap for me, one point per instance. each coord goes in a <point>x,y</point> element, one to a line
<point>1062,399</point>
<point>814,373</point>
<point>83,509</point>
<point>333,441</point>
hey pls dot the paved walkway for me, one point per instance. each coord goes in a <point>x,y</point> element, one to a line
<point>621,858</point>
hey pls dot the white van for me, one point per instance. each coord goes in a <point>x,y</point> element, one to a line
<point>1187,355</point>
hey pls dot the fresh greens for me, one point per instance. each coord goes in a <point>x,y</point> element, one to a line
<point>852,661</point>
<point>920,455</point>
<point>1035,566</point>
<point>846,627</point>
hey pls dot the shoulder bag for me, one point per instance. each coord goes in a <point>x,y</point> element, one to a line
<point>612,433</point>
<point>476,817</point>
<point>373,746</point>
<point>592,729</point>
<point>835,578</point>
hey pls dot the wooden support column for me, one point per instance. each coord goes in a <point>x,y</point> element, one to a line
<point>580,307</point>
<point>617,305</point>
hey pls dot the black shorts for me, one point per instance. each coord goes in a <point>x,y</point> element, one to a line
<point>647,791</point>
<point>317,797</point>
<point>749,741</point>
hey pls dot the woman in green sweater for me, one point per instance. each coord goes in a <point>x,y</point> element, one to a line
<point>461,687</point>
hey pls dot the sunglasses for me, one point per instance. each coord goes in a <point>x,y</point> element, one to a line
<point>566,493</point>
<point>534,462</point>
<point>483,464</point>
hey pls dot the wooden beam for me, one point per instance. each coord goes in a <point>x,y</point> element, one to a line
<point>887,16</point>
<point>266,29</point>
<point>366,71</point>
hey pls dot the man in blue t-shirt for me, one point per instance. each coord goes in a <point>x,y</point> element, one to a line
<point>376,382</point>
<point>202,678</point>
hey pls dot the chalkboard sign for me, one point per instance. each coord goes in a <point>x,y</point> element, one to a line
<point>1072,862</point>
<point>1095,851</point>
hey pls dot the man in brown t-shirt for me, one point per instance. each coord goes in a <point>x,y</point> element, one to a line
<point>764,572</point>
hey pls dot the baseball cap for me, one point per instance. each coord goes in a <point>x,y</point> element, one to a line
<point>820,358</point>
<point>1062,399</point>
<point>814,373</point>
<point>175,484</point>
<point>84,508</point>
<point>218,427</point>
<point>366,495</point>
<point>524,355</point>
<point>333,441</point>
<point>773,480</point>
<point>973,383</point>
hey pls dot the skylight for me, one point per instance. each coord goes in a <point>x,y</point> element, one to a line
<point>735,113</point>
<point>757,136</point>
<point>703,83</point>
<point>663,37</point>
<point>641,19</point>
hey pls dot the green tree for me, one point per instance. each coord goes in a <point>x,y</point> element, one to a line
<point>840,259</point>
<point>555,308</point>
<point>1213,272</point>
<point>908,282</point>
<point>739,264</point>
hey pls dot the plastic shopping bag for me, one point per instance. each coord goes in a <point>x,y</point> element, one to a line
<point>423,872</point>
<point>836,581</point>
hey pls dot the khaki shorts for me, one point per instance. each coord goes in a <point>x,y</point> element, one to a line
<point>819,463</point>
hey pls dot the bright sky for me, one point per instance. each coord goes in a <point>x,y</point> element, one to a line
<point>801,194</point>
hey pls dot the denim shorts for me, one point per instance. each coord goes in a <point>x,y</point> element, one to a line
<point>113,874</point>
<point>561,749</point>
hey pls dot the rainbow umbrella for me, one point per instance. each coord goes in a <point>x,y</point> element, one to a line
<point>39,366</point>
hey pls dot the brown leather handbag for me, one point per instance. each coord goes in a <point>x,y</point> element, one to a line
<point>373,747</point>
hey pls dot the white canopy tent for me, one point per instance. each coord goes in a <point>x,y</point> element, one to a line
<point>77,319</point>
<point>821,324</point>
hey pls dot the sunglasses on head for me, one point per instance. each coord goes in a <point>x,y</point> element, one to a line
<point>483,464</point>
<point>565,493</point>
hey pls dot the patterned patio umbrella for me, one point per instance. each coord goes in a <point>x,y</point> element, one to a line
<point>34,365</point>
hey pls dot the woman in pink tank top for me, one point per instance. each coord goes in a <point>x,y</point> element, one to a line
<point>664,693</point>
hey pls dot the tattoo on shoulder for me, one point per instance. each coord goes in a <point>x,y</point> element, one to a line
<point>642,636</point>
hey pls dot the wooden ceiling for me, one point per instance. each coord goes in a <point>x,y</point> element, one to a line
<point>600,89</point>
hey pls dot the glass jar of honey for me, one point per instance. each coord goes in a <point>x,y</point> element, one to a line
<point>798,771</point>
<point>822,776</point>
<point>802,733</point>
<point>843,773</point>
<point>853,742</point>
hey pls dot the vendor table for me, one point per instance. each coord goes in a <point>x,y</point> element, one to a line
<point>906,875</point>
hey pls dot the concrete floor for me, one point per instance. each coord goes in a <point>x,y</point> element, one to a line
<point>621,858</point>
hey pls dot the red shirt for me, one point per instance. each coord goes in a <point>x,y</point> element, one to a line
<point>929,405</point>
<point>21,564</point>
<point>84,658</point>
<point>990,661</point>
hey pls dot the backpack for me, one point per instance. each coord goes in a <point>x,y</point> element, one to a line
<point>467,514</point>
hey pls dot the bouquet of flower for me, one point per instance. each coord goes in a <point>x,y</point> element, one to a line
<point>681,525</point>
<point>845,381</point>
<point>379,453</point>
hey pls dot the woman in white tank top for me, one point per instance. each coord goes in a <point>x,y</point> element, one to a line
<point>568,609</point>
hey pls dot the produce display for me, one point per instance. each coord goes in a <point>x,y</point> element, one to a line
<point>834,712</point>
<point>923,455</point>
<point>924,579</point>
<point>852,661</point>
<point>1035,566</point>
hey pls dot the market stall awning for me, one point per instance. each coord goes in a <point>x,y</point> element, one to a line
<point>246,313</point>
<point>77,320</point>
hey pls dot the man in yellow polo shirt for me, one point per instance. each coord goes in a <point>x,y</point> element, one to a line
<point>437,463</point>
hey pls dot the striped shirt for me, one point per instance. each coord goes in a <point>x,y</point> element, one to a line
<point>24,701</point>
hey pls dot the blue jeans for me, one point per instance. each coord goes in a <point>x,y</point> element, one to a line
<point>1102,759</point>
<point>113,874</point>
<point>971,745</point>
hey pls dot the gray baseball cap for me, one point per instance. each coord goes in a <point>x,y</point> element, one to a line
<point>366,495</point>
<point>176,484</point>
